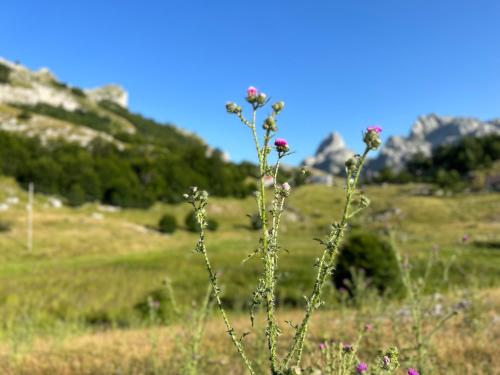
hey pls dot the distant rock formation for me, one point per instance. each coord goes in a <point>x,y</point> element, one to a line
<point>33,87</point>
<point>331,155</point>
<point>113,93</point>
<point>427,133</point>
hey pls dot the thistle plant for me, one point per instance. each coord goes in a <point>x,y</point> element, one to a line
<point>419,309</point>
<point>269,248</point>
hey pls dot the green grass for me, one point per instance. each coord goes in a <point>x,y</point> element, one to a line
<point>82,266</point>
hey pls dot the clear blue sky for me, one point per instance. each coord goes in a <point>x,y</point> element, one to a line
<point>338,65</point>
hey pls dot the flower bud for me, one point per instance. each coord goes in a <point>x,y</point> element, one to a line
<point>284,189</point>
<point>364,201</point>
<point>270,123</point>
<point>278,106</point>
<point>252,93</point>
<point>372,138</point>
<point>352,163</point>
<point>261,98</point>
<point>233,108</point>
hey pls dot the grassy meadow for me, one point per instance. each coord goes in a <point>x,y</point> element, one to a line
<point>72,304</point>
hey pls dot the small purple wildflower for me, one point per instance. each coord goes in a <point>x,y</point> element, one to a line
<point>465,238</point>
<point>322,346</point>
<point>368,327</point>
<point>361,367</point>
<point>412,371</point>
<point>375,128</point>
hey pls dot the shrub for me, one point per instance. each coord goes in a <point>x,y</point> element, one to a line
<point>24,115</point>
<point>78,92</point>
<point>193,226</point>
<point>167,224</point>
<point>4,73</point>
<point>372,255</point>
<point>4,226</point>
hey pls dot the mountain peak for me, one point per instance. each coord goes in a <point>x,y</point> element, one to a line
<point>427,133</point>
<point>330,155</point>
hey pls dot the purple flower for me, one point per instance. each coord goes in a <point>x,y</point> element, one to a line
<point>361,367</point>
<point>368,327</point>
<point>412,371</point>
<point>465,238</point>
<point>386,360</point>
<point>281,145</point>
<point>322,346</point>
<point>374,128</point>
<point>251,92</point>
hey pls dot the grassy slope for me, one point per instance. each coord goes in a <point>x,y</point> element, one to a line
<point>82,266</point>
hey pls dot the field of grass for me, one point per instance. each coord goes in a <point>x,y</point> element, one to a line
<point>91,266</point>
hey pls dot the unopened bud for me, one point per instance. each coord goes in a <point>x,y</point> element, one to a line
<point>372,138</point>
<point>233,108</point>
<point>278,106</point>
<point>261,98</point>
<point>270,123</point>
<point>285,189</point>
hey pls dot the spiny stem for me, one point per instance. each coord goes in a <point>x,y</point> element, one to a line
<point>216,289</point>
<point>326,263</point>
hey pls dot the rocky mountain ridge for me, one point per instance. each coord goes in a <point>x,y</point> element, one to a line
<point>426,133</point>
<point>330,155</point>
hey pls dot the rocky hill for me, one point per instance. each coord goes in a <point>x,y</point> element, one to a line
<point>427,133</point>
<point>331,155</point>
<point>85,145</point>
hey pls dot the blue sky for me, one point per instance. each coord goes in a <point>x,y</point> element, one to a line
<point>338,65</point>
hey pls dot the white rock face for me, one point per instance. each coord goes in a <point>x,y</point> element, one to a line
<point>113,93</point>
<point>331,155</point>
<point>427,133</point>
<point>33,87</point>
<point>37,94</point>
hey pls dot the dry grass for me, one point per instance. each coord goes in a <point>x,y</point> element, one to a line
<point>463,347</point>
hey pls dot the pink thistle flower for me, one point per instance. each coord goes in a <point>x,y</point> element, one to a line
<point>375,128</point>
<point>412,371</point>
<point>251,92</point>
<point>361,367</point>
<point>322,346</point>
<point>281,145</point>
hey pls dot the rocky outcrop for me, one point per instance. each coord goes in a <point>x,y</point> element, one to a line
<point>32,87</point>
<point>331,155</point>
<point>112,93</point>
<point>427,133</point>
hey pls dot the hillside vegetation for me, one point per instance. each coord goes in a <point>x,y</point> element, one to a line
<point>93,261</point>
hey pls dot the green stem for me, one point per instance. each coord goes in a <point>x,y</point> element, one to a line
<point>325,266</point>
<point>269,256</point>
<point>216,289</point>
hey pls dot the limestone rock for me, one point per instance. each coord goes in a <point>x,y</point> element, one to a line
<point>331,155</point>
<point>427,133</point>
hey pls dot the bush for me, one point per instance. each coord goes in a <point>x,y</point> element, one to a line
<point>167,224</point>
<point>4,73</point>
<point>78,92</point>
<point>4,226</point>
<point>370,254</point>
<point>192,224</point>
